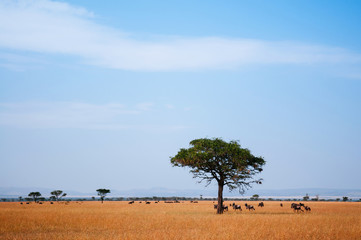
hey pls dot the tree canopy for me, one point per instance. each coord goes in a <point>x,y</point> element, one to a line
<point>102,193</point>
<point>226,162</point>
<point>35,195</point>
<point>57,195</point>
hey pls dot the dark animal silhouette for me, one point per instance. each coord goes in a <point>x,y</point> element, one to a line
<point>249,207</point>
<point>281,204</point>
<point>237,207</point>
<point>261,204</point>
<point>224,207</point>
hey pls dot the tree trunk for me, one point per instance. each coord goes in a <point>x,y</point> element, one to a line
<point>220,198</point>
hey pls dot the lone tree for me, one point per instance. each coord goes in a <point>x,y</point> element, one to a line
<point>306,198</point>
<point>255,197</point>
<point>102,193</point>
<point>225,162</point>
<point>57,195</point>
<point>35,196</point>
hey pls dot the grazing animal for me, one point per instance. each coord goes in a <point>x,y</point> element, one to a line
<point>249,207</point>
<point>307,208</point>
<point>21,203</point>
<point>261,204</point>
<point>27,203</point>
<point>237,207</point>
<point>51,203</point>
<point>131,202</point>
<point>147,202</point>
<point>297,208</point>
<point>224,207</point>
<point>281,204</point>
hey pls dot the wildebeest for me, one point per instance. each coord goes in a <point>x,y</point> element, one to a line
<point>224,207</point>
<point>147,202</point>
<point>281,204</point>
<point>249,207</point>
<point>296,207</point>
<point>237,207</point>
<point>131,202</point>
<point>307,208</point>
<point>261,204</point>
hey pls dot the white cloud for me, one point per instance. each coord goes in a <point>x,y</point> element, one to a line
<point>77,115</point>
<point>169,106</point>
<point>145,106</point>
<point>59,28</point>
<point>64,115</point>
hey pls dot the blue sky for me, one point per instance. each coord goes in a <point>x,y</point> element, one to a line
<point>101,95</point>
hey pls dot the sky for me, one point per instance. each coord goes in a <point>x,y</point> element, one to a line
<point>101,94</point>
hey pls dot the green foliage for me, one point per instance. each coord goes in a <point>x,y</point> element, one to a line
<point>306,198</point>
<point>255,197</point>
<point>35,195</point>
<point>102,193</point>
<point>56,195</point>
<point>225,162</point>
<point>345,199</point>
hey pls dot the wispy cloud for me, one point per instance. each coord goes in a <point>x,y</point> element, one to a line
<point>64,115</point>
<point>77,115</point>
<point>59,28</point>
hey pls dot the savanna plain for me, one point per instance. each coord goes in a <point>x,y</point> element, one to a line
<point>185,220</point>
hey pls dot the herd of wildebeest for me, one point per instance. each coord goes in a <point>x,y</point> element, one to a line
<point>297,207</point>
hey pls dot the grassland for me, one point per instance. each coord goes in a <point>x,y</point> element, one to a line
<point>119,220</point>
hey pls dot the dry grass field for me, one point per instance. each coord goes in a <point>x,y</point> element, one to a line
<point>119,220</point>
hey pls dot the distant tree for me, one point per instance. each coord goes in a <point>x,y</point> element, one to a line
<point>255,197</point>
<point>35,196</point>
<point>306,198</point>
<point>56,195</point>
<point>337,199</point>
<point>20,199</point>
<point>225,162</point>
<point>345,199</point>
<point>102,193</point>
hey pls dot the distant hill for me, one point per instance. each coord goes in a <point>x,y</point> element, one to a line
<point>14,192</point>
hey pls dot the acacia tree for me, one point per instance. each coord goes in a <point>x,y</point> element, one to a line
<point>225,162</point>
<point>102,193</point>
<point>57,195</point>
<point>35,196</point>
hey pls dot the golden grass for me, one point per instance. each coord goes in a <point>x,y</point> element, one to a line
<point>119,220</point>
